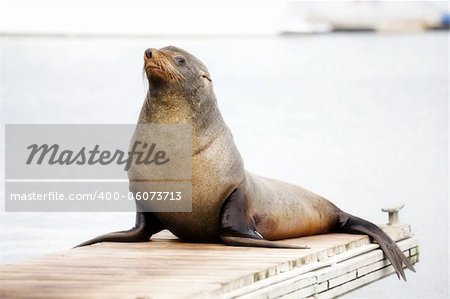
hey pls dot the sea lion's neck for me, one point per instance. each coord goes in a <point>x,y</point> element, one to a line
<point>203,115</point>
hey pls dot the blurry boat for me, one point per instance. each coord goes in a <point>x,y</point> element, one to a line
<point>324,17</point>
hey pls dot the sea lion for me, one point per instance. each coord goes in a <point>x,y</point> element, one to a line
<point>229,204</point>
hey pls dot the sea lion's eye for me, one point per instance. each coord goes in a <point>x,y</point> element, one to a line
<point>180,60</point>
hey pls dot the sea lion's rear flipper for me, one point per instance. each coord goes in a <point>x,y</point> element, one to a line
<point>146,225</point>
<point>354,225</point>
<point>237,227</point>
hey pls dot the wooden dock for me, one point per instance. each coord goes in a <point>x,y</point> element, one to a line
<point>169,268</point>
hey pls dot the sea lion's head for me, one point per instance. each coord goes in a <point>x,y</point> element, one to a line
<point>173,71</point>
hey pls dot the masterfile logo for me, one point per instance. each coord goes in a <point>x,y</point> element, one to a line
<point>98,167</point>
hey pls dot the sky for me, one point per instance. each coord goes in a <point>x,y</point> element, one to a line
<point>137,17</point>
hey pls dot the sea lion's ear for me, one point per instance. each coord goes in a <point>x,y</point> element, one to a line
<point>205,77</point>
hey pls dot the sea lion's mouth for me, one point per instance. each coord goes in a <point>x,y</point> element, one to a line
<point>155,71</point>
<point>152,68</point>
<point>151,65</point>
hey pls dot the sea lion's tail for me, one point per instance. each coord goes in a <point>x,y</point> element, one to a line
<point>354,225</point>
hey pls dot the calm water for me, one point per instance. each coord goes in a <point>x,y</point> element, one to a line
<point>361,119</point>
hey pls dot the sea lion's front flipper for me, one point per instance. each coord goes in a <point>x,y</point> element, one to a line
<point>146,225</point>
<point>237,227</point>
<point>352,224</point>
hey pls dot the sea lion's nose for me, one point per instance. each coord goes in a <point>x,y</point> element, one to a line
<point>149,52</point>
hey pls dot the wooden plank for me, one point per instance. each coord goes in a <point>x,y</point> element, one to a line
<point>338,270</point>
<point>169,268</point>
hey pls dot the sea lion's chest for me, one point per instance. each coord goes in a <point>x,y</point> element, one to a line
<point>216,172</point>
